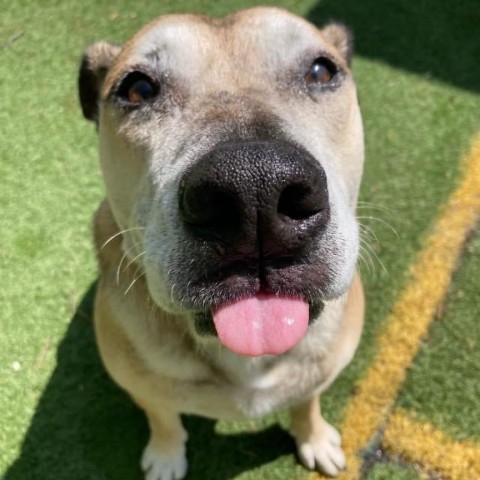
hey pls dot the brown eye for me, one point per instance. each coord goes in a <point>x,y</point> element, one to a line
<point>322,72</point>
<point>137,88</point>
<point>140,91</point>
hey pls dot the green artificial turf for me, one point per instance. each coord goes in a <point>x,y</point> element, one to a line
<point>443,386</point>
<point>61,417</point>
<point>385,471</point>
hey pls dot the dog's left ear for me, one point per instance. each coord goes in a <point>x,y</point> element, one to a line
<point>341,38</point>
<point>96,61</point>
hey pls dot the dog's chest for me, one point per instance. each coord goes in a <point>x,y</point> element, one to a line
<point>251,373</point>
<point>259,386</point>
<point>217,383</point>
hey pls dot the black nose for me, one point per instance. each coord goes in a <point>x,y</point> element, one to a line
<point>255,198</point>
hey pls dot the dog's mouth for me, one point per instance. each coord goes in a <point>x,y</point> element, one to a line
<point>261,324</point>
<point>259,308</point>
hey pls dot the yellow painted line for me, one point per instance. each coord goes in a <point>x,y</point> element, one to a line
<point>411,315</point>
<point>423,443</point>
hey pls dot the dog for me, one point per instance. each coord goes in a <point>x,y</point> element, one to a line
<point>232,153</point>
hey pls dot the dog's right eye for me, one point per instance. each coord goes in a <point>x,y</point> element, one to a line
<point>321,73</point>
<point>137,88</point>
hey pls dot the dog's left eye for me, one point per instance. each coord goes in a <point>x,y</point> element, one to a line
<point>322,72</point>
<point>137,88</point>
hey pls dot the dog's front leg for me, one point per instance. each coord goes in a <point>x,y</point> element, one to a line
<point>318,443</point>
<point>164,456</point>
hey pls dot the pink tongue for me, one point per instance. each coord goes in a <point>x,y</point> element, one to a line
<point>261,325</point>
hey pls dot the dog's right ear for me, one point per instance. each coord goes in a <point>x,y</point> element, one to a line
<point>96,61</point>
<point>341,37</point>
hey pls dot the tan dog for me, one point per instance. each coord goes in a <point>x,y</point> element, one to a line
<point>232,152</point>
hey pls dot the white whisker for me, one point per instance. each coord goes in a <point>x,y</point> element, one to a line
<point>363,259</point>
<point>120,233</point>
<point>373,255</point>
<point>134,280</point>
<point>372,206</point>
<point>172,292</point>
<point>368,252</point>
<point>120,263</point>
<point>376,219</point>
<point>153,311</point>
<point>379,261</point>
<point>368,233</point>
<point>134,259</point>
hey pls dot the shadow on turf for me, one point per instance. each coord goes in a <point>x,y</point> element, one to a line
<point>427,37</point>
<point>85,428</point>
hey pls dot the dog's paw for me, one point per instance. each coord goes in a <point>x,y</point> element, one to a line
<point>164,466</point>
<point>323,451</point>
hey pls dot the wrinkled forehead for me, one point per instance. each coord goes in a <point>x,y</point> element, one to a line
<point>245,41</point>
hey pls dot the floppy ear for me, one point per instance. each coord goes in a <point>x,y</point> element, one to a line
<point>96,61</point>
<point>341,38</point>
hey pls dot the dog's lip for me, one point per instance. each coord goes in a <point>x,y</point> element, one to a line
<point>211,289</point>
<point>204,325</point>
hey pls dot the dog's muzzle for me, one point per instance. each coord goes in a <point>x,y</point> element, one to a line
<point>256,203</point>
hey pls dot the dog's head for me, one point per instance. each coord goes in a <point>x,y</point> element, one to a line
<point>232,153</point>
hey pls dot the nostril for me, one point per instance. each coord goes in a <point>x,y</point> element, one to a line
<point>300,201</point>
<point>207,207</point>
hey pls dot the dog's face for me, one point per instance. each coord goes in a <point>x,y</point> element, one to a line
<point>232,153</point>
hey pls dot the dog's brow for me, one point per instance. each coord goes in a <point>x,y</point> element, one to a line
<point>200,47</point>
<point>171,44</point>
